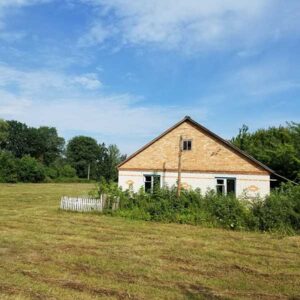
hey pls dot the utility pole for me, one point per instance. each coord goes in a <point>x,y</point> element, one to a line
<point>179,167</point>
<point>89,170</point>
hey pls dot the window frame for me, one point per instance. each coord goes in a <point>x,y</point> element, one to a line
<point>225,184</point>
<point>152,181</point>
<point>187,141</point>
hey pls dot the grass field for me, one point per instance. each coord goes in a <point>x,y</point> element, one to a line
<point>49,254</point>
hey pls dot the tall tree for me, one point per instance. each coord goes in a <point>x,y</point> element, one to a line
<point>83,153</point>
<point>3,132</point>
<point>101,170</point>
<point>8,167</point>
<point>44,144</point>
<point>277,147</point>
<point>112,159</point>
<point>17,140</point>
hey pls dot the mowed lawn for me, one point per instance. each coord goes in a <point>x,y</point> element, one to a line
<point>49,254</point>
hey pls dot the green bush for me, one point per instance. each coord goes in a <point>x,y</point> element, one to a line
<point>67,171</point>
<point>8,167</point>
<point>30,170</point>
<point>278,212</point>
<point>227,211</point>
<point>61,172</point>
<point>51,173</point>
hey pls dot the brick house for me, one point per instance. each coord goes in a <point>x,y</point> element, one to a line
<point>205,161</point>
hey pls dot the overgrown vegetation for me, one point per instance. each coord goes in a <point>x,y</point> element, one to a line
<point>279,212</point>
<point>29,154</point>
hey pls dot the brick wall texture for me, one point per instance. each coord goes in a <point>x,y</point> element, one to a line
<point>207,155</point>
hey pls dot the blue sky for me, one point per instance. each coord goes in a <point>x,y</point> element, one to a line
<point>123,71</point>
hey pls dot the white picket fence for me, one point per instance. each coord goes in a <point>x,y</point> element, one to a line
<point>86,204</point>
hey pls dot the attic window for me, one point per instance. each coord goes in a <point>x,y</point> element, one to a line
<point>186,145</point>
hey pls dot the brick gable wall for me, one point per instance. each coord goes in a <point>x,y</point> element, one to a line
<point>207,155</point>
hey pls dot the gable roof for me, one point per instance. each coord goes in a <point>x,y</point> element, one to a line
<point>210,133</point>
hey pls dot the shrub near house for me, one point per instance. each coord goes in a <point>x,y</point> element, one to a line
<point>280,211</point>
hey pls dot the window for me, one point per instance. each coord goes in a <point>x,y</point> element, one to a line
<point>225,186</point>
<point>186,145</point>
<point>221,186</point>
<point>152,182</point>
<point>230,189</point>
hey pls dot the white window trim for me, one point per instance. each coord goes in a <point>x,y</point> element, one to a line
<point>152,180</point>
<point>225,183</point>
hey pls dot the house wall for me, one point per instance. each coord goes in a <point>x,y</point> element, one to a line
<point>208,154</point>
<point>252,184</point>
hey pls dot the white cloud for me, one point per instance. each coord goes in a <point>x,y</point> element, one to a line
<point>270,77</point>
<point>34,82</point>
<point>89,81</point>
<point>11,105</point>
<point>6,7</point>
<point>255,83</point>
<point>111,119</point>
<point>18,3</point>
<point>194,25</point>
<point>78,108</point>
<point>96,35</point>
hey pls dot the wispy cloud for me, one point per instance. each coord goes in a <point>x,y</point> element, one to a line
<point>193,25</point>
<point>89,81</point>
<point>97,34</point>
<point>77,107</point>
<point>262,79</point>
<point>6,7</point>
<point>243,52</point>
<point>12,105</point>
<point>37,81</point>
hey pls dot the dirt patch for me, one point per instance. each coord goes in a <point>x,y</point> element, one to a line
<point>12,290</point>
<point>177,260</point>
<point>80,286</point>
<point>197,291</point>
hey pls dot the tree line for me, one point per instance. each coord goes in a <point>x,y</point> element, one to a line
<point>29,154</point>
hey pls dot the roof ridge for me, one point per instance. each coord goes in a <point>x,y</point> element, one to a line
<point>228,143</point>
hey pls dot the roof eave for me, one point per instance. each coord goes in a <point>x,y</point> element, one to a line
<point>230,145</point>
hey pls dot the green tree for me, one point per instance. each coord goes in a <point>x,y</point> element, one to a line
<point>3,132</point>
<point>17,140</point>
<point>112,159</point>
<point>44,144</point>
<point>277,147</point>
<point>8,167</point>
<point>109,158</point>
<point>101,170</point>
<point>83,152</point>
<point>30,170</point>
<point>67,171</point>
<point>243,138</point>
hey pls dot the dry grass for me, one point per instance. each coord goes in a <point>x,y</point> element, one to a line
<point>49,254</point>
